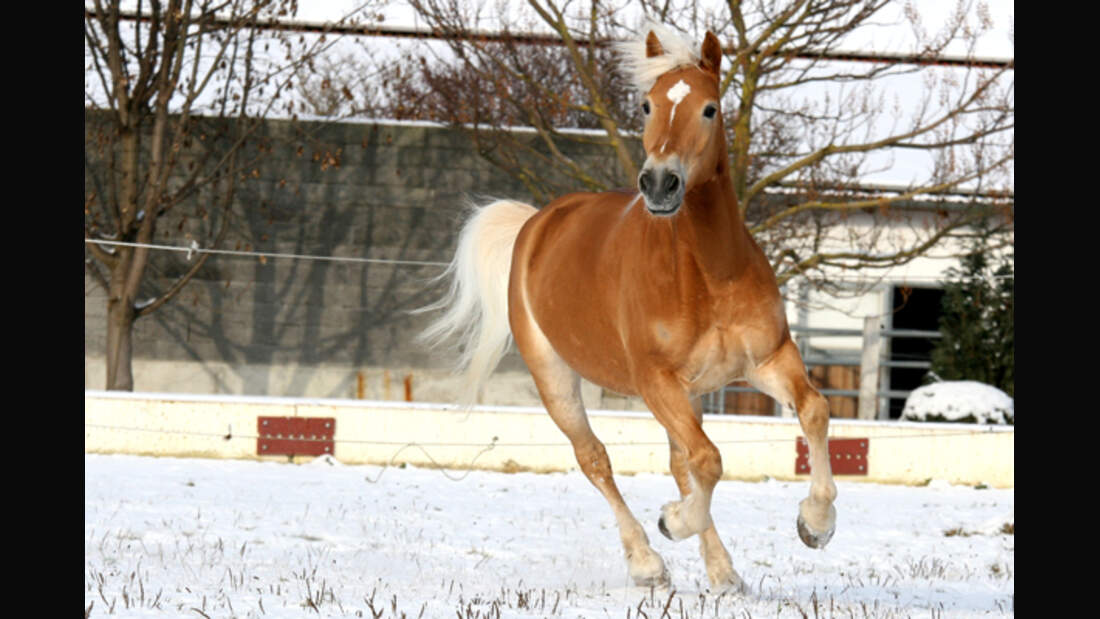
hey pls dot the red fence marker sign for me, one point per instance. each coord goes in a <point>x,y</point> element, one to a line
<point>295,436</point>
<point>847,456</point>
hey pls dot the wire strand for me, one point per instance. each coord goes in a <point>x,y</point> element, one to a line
<point>195,249</point>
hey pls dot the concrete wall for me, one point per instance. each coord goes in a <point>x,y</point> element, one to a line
<point>525,438</point>
<point>292,327</point>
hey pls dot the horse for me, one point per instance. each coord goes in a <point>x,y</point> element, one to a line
<point>659,292</point>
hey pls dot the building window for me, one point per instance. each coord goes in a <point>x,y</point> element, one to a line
<point>912,309</point>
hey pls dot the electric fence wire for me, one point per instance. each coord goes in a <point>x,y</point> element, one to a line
<point>194,248</point>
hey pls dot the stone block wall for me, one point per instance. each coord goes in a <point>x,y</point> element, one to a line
<point>314,328</point>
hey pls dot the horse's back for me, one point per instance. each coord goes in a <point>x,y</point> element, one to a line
<point>569,240</point>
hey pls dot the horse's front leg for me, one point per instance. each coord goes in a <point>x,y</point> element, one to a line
<point>784,378</point>
<point>701,463</point>
<point>716,558</point>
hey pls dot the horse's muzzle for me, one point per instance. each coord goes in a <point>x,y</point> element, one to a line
<point>663,189</point>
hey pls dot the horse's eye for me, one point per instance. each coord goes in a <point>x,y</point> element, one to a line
<point>710,110</point>
<point>645,107</point>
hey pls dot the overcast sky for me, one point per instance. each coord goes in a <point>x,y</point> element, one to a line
<point>891,34</point>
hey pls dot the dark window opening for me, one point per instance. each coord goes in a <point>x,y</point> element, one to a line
<point>917,309</point>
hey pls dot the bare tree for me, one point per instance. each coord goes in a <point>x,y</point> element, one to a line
<point>822,146</point>
<point>175,92</point>
<point>805,131</point>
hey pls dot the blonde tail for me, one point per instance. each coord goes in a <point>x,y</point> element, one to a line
<point>476,305</point>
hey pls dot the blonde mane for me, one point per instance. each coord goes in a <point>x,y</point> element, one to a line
<point>644,71</point>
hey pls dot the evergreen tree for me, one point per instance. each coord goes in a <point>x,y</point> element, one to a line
<point>977,323</point>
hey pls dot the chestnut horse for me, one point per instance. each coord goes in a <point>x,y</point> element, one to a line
<point>660,293</point>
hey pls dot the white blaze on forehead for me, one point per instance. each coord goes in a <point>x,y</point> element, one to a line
<point>676,94</point>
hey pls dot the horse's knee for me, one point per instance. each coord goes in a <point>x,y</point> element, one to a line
<point>813,413</point>
<point>705,463</point>
<point>593,460</point>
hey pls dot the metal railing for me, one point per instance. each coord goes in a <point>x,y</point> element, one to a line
<point>874,393</point>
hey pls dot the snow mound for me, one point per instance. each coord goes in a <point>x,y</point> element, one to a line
<point>963,401</point>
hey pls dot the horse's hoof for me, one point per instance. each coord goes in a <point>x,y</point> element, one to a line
<point>664,529</point>
<point>730,587</point>
<point>649,571</point>
<point>659,581</point>
<point>730,583</point>
<point>812,539</point>
<point>672,524</point>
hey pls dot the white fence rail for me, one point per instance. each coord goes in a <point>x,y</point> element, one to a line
<point>525,438</point>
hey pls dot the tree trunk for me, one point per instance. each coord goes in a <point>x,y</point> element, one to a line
<point>120,325</point>
<point>120,322</point>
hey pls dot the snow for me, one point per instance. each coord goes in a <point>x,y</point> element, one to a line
<point>168,537</point>
<point>959,401</point>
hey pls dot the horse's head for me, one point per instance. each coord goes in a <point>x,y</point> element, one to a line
<point>683,139</point>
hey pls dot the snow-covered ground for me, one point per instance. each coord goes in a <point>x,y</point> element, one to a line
<point>168,537</point>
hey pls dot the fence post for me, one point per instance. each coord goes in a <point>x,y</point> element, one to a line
<point>869,368</point>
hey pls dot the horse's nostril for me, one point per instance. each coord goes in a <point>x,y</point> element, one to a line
<point>645,180</point>
<point>671,183</point>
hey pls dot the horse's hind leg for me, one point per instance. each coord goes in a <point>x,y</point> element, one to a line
<point>720,570</point>
<point>783,377</point>
<point>559,388</point>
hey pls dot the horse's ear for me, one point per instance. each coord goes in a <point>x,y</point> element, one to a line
<point>711,54</point>
<point>653,45</point>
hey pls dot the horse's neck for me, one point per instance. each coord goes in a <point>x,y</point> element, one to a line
<point>721,243</point>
